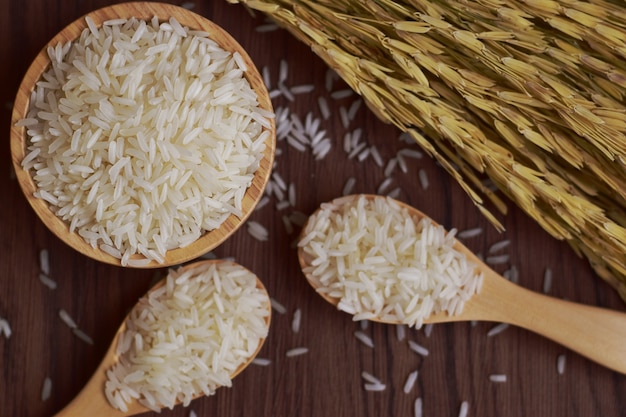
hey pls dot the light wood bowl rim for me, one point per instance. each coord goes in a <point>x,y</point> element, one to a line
<point>141,10</point>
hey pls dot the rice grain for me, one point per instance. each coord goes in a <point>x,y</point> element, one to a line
<point>67,319</point>
<point>417,348</point>
<point>296,320</point>
<point>464,409</point>
<point>5,328</point>
<point>417,407</point>
<point>497,329</point>
<point>46,389</point>
<point>497,378</point>
<point>364,338</point>
<point>277,306</point>
<point>560,364</point>
<point>261,361</point>
<point>298,351</point>
<point>82,335</point>
<point>410,382</point>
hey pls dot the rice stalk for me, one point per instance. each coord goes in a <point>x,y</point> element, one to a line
<point>529,93</point>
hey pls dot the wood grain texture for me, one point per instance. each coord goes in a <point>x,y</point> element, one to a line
<point>327,380</point>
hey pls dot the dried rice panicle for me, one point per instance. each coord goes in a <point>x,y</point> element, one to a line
<point>530,94</point>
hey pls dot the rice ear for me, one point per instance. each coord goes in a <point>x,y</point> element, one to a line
<point>534,105</point>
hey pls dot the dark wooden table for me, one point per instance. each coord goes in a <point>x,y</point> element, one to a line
<point>326,381</point>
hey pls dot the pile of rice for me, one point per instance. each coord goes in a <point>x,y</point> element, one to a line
<point>189,337</point>
<point>143,135</point>
<point>382,263</point>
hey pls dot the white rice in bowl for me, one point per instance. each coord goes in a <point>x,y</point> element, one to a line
<point>189,337</point>
<point>143,135</point>
<point>381,263</point>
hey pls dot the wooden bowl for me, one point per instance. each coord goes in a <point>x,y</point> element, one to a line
<point>146,11</point>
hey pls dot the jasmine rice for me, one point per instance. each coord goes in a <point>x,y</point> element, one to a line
<point>143,135</point>
<point>188,337</point>
<point>381,263</point>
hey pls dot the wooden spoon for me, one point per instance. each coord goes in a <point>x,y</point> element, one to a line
<point>92,402</point>
<point>596,333</point>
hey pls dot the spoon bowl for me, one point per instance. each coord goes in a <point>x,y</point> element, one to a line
<point>92,401</point>
<point>596,333</point>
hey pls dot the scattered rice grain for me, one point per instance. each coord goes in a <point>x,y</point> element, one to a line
<point>261,361</point>
<point>498,246</point>
<point>296,321</point>
<point>67,319</point>
<point>5,328</point>
<point>547,280</point>
<point>354,108</point>
<point>470,233</point>
<point>292,194</point>
<point>417,407</point>
<point>47,281</point>
<point>296,352</point>
<point>281,205</point>
<point>390,167</point>
<point>324,108</point>
<point>363,338</point>
<point>410,382</point>
<point>341,94</point>
<point>498,259</point>
<point>302,89</point>
<point>428,329</point>
<point>417,348</point>
<point>288,225</point>
<point>382,188</point>
<point>82,335</point>
<point>400,332</point>
<point>395,193</point>
<point>423,177</point>
<point>277,306</point>
<point>258,231</point>
<point>560,364</point>
<point>376,156</point>
<point>343,116</point>
<point>368,377</point>
<point>497,329</point>
<point>348,187</point>
<point>267,27</point>
<point>44,261</point>
<point>283,71</point>
<point>497,377</point>
<point>464,409</point>
<point>46,389</point>
<point>512,274</point>
<point>375,387</point>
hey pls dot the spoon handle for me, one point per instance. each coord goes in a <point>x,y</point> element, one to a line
<point>91,400</point>
<point>596,333</point>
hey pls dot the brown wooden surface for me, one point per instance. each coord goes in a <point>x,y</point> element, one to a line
<point>327,380</point>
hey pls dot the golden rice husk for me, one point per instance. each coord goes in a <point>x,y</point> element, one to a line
<point>527,92</point>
